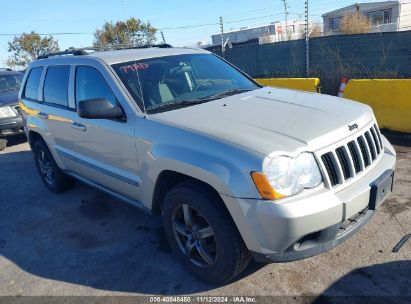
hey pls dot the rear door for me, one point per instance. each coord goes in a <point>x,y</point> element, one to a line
<point>105,148</point>
<point>47,90</point>
<point>58,112</point>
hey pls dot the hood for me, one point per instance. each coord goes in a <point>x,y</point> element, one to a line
<point>9,98</point>
<point>272,119</point>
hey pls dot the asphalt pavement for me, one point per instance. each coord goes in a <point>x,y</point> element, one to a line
<point>85,243</point>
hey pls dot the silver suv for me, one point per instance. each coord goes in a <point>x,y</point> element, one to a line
<point>235,169</point>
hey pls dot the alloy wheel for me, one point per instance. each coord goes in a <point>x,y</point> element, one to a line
<point>46,167</point>
<point>194,235</point>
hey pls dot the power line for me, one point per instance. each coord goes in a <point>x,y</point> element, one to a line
<point>188,26</point>
<point>47,34</point>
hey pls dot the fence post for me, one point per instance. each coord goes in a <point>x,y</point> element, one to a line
<point>307,42</point>
<point>222,37</point>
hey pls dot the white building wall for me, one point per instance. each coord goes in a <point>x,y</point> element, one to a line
<point>396,20</point>
<point>405,16</point>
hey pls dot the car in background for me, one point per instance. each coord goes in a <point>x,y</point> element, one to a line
<point>11,122</point>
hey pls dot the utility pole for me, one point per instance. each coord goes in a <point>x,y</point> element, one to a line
<point>222,36</point>
<point>162,36</point>
<point>286,18</point>
<point>307,42</point>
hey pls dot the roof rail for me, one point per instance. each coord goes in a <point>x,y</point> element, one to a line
<point>126,46</point>
<point>70,51</point>
<point>7,69</point>
<point>83,51</point>
<point>160,46</point>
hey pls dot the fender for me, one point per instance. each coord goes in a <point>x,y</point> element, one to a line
<point>224,166</point>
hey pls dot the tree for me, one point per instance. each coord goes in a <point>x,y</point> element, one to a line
<point>131,32</point>
<point>314,30</point>
<point>28,47</point>
<point>355,23</point>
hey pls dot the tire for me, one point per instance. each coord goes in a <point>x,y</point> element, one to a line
<point>51,175</point>
<point>3,144</point>
<point>215,256</point>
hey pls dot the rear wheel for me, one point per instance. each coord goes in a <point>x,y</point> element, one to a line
<point>202,234</point>
<point>53,178</point>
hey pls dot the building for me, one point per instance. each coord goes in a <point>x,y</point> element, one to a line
<point>270,33</point>
<point>386,16</point>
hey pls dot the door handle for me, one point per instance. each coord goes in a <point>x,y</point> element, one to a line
<point>78,126</point>
<point>43,115</point>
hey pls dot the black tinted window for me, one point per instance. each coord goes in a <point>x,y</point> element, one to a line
<point>32,85</point>
<point>91,85</point>
<point>56,85</point>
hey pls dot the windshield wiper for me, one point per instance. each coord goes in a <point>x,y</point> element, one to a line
<point>174,105</point>
<point>225,94</point>
<point>189,102</point>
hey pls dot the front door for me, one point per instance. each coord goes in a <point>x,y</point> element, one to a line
<point>105,148</point>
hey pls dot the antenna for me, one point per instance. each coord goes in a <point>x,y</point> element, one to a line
<point>141,93</point>
<point>222,36</point>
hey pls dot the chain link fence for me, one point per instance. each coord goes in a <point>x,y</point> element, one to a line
<point>379,55</point>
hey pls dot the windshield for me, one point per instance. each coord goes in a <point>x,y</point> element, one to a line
<point>166,83</point>
<point>10,82</point>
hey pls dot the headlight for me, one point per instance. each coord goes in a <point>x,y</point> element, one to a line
<point>6,112</point>
<point>285,176</point>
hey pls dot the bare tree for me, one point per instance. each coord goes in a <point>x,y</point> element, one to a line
<point>314,29</point>
<point>355,23</point>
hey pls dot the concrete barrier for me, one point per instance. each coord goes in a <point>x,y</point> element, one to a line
<point>390,100</point>
<point>303,84</point>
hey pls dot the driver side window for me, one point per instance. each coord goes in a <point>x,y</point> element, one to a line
<point>90,84</point>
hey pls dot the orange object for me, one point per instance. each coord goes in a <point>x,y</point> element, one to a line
<point>342,87</point>
<point>264,187</point>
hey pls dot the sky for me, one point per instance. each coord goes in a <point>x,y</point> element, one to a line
<point>183,22</point>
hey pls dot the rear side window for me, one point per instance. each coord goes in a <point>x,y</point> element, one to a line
<point>32,85</point>
<point>56,85</point>
<point>91,85</point>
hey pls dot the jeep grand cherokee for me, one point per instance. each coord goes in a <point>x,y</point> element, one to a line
<point>236,170</point>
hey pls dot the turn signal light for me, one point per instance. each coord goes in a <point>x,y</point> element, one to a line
<point>264,187</point>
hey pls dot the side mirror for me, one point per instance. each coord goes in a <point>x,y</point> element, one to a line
<point>99,108</point>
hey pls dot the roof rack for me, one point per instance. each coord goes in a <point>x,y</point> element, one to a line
<point>126,46</point>
<point>70,51</point>
<point>83,51</point>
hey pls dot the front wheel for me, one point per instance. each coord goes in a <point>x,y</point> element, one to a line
<point>203,235</point>
<point>53,178</point>
<point>3,144</point>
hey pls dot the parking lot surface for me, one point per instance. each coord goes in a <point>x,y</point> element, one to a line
<point>84,243</point>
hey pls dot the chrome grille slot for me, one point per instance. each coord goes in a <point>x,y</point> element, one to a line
<point>379,136</point>
<point>330,166</point>
<point>375,141</point>
<point>364,151</point>
<point>370,145</point>
<point>344,161</point>
<point>353,157</point>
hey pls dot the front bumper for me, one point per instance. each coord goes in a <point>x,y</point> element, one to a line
<point>300,227</point>
<point>11,126</point>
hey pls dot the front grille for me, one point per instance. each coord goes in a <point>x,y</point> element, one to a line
<point>17,110</point>
<point>350,159</point>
